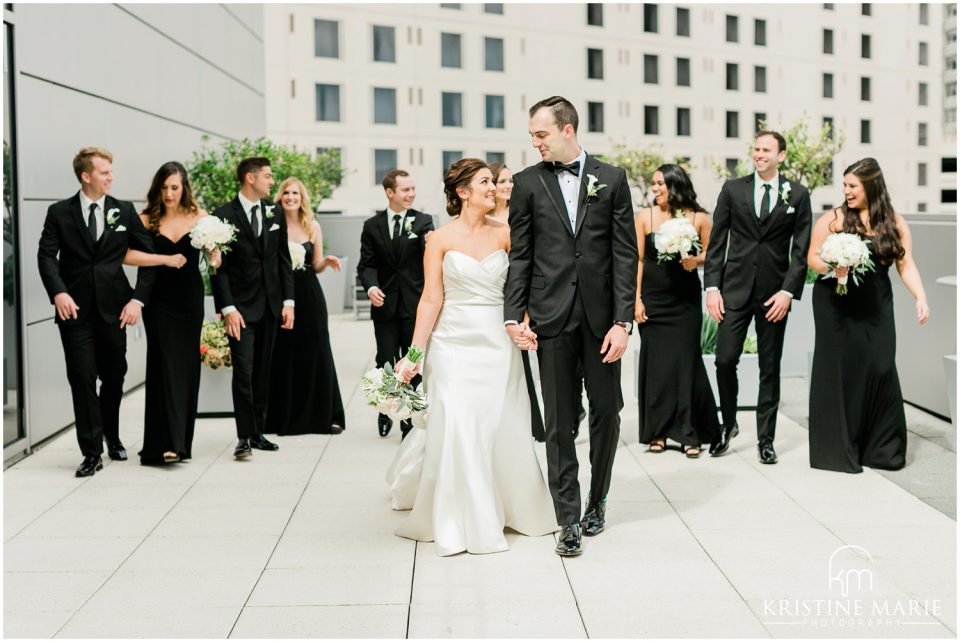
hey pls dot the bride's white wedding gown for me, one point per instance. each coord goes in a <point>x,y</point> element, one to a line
<point>479,469</point>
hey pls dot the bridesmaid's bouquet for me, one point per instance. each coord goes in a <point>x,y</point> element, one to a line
<point>298,255</point>
<point>384,391</point>
<point>845,250</point>
<point>209,234</point>
<point>676,240</point>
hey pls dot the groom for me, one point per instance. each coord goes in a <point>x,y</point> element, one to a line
<point>573,268</point>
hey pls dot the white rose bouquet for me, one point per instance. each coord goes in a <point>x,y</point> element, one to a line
<point>677,239</point>
<point>845,250</point>
<point>298,255</point>
<point>210,233</point>
<point>389,395</point>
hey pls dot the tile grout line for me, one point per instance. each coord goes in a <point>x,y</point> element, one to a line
<point>413,576</point>
<point>137,547</point>
<point>280,536</point>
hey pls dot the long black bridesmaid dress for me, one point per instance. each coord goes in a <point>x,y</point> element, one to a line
<point>856,406</point>
<point>173,320</point>
<point>304,392</point>
<point>674,394</point>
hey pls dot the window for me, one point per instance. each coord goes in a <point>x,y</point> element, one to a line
<point>651,120</point>
<point>828,41</point>
<point>683,22</point>
<point>828,85</point>
<point>493,54</point>
<point>450,50</point>
<point>595,64</point>
<point>384,106</point>
<point>760,79</point>
<point>759,121</point>
<point>865,45</point>
<point>865,131</point>
<point>922,174</point>
<point>924,13</point>
<point>828,6</point>
<point>922,93</point>
<point>949,89</point>
<point>828,123</point>
<point>948,165</point>
<point>384,160</point>
<point>384,44</point>
<point>328,103</point>
<point>450,5</point>
<point>948,196</point>
<point>650,18</point>
<point>733,27</point>
<point>452,108</point>
<point>650,66</point>
<point>594,117</point>
<point>865,88</point>
<point>733,76</point>
<point>326,38</point>
<point>449,158</point>
<point>496,157</point>
<point>921,207</point>
<point>595,14</point>
<point>494,110</point>
<point>866,9</point>
<point>733,124</point>
<point>731,165</point>
<point>951,62</point>
<point>922,134</point>
<point>683,121</point>
<point>493,7</point>
<point>760,33</point>
<point>683,72</point>
<point>924,57</point>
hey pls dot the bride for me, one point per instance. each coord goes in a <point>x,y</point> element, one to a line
<point>480,473</point>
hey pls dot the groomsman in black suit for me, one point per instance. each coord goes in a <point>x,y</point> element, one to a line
<point>756,265</point>
<point>573,268</point>
<point>82,246</point>
<point>391,270</point>
<point>254,291</point>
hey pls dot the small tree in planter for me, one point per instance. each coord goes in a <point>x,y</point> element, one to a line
<point>640,166</point>
<point>748,372</point>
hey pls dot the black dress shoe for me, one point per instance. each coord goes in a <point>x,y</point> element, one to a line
<point>243,448</point>
<point>116,451</point>
<point>594,520</point>
<point>721,445</point>
<point>384,424</point>
<point>570,543</point>
<point>89,466</point>
<point>260,443</point>
<point>405,426</point>
<point>767,454</point>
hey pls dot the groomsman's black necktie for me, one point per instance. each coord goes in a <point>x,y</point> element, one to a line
<point>396,231</point>
<point>765,201</point>
<point>255,221</point>
<point>92,222</point>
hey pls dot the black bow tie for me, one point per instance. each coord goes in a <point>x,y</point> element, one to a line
<point>573,168</point>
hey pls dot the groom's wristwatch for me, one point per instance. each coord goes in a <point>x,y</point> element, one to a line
<point>626,325</point>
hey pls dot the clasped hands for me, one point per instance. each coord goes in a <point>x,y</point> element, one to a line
<point>522,336</point>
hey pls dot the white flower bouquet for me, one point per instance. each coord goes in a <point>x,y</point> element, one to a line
<point>677,239</point>
<point>298,255</point>
<point>210,233</point>
<point>389,395</point>
<point>845,250</point>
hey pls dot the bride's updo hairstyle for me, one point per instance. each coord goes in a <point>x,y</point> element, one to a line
<point>460,174</point>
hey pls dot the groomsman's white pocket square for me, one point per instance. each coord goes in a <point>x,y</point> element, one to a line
<point>791,209</point>
<point>120,228</point>
<point>274,227</point>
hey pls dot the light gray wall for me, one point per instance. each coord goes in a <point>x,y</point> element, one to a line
<point>146,81</point>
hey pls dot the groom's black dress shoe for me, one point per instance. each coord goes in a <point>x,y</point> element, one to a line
<point>89,466</point>
<point>405,426</point>
<point>243,448</point>
<point>260,443</point>
<point>116,451</point>
<point>767,454</point>
<point>721,445</point>
<point>384,424</point>
<point>570,543</point>
<point>594,520</point>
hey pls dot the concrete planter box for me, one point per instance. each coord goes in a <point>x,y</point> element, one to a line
<point>334,286</point>
<point>215,398</point>
<point>799,336</point>
<point>748,375</point>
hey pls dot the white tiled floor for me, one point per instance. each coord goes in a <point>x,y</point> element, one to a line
<point>299,543</point>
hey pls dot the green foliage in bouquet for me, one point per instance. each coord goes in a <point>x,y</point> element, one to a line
<point>214,345</point>
<point>708,337</point>
<point>640,164</point>
<point>213,170</point>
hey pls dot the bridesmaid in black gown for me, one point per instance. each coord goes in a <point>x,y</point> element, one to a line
<point>675,399</point>
<point>305,394</point>
<point>856,406</point>
<point>173,319</point>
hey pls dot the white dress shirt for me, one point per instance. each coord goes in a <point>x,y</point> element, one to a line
<point>85,203</point>
<point>403,220</point>
<point>570,187</point>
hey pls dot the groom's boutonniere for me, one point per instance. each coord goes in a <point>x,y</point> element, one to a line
<point>408,229</point>
<point>592,188</point>
<point>112,216</point>
<point>785,197</point>
<point>268,211</point>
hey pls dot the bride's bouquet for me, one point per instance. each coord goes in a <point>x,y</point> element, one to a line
<point>384,391</point>
<point>845,250</point>
<point>209,234</point>
<point>298,255</point>
<point>677,239</point>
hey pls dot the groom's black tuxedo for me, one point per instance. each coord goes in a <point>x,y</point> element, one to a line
<point>256,277</point>
<point>750,259</point>
<point>575,282</point>
<point>91,272</point>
